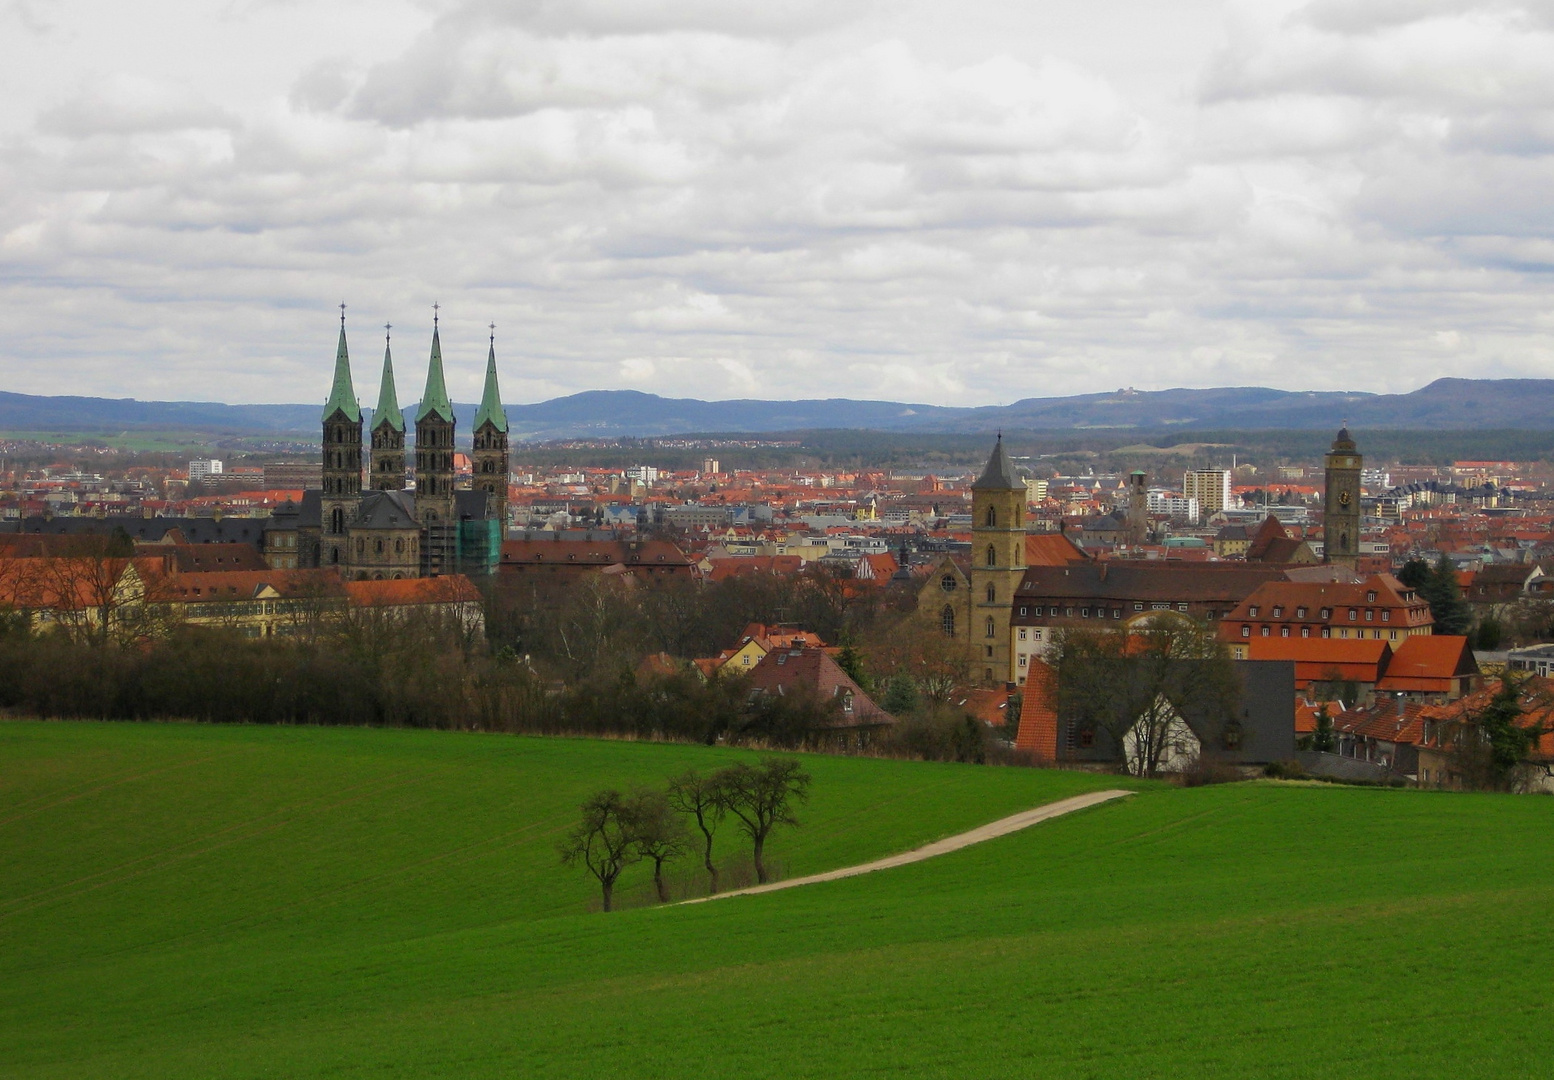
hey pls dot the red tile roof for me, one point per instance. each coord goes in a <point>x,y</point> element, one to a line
<point>1038,719</point>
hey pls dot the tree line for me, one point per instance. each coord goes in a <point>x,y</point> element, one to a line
<point>616,830</point>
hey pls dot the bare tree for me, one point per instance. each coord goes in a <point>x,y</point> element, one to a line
<point>762,797</point>
<point>1138,684</point>
<point>705,799</point>
<point>604,841</point>
<point>659,833</point>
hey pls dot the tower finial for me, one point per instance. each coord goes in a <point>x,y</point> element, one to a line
<point>435,306</point>
<point>386,328</point>
<point>342,313</point>
<point>493,335</point>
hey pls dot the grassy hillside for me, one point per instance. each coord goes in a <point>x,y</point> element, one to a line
<point>181,901</point>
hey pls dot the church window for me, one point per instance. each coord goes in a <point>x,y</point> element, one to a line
<point>334,555</point>
<point>947,583</point>
<point>991,627</point>
<point>337,520</point>
<point>361,546</point>
<point>992,517</point>
<point>992,556</point>
<point>399,547</point>
<point>378,546</point>
<point>992,593</point>
<point>947,621</point>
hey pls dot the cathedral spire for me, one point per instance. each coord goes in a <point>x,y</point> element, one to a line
<point>435,399</point>
<point>342,395</point>
<point>388,397</point>
<point>491,410</point>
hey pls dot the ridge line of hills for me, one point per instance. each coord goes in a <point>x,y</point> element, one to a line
<point>1450,403</point>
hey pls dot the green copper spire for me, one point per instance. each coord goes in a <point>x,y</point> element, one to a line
<point>491,401</point>
<point>342,396</point>
<point>435,400</point>
<point>388,399</point>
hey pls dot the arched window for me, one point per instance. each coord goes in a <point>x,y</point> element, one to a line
<point>992,556</point>
<point>337,520</point>
<point>947,583</point>
<point>378,547</point>
<point>992,517</point>
<point>992,593</point>
<point>947,620</point>
<point>991,628</point>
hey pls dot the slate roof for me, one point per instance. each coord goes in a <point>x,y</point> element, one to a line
<point>999,474</point>
<point>1173,582</point>
<point>386,510</point>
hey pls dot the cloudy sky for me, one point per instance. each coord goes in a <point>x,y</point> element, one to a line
<point>960,203</point>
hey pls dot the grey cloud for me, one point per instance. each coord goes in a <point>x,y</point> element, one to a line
<point>131,106</point>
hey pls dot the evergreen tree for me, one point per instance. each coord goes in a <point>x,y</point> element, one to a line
<point>850,660</point>
<point>1322,738</point>
<point>1451,612</point>
<point>1415,573</point>
<point>900,696</point>
<point>1509,742</point>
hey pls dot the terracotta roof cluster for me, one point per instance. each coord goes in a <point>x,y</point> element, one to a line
<point>1421,664</point>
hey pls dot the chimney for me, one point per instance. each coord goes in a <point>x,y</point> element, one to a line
<point>1401,699</point>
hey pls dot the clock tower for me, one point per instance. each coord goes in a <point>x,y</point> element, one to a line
<point>1341,503</point>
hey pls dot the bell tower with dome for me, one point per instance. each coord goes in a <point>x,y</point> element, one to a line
<point>1341,503</point>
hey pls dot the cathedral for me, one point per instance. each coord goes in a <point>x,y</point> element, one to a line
<point>402,524</point>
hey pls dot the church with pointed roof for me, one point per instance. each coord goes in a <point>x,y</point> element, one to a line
<point>404,523</point>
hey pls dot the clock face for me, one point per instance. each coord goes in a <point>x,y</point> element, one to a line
<point>1343,498</point>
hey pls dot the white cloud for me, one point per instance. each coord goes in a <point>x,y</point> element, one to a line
<point>780,200</point>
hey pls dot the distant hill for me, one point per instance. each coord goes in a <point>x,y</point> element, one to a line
<point>1459,404</point>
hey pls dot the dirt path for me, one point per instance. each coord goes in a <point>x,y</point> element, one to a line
<point>992,830</point>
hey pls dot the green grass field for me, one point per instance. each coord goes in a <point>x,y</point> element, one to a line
<point>181,901</point>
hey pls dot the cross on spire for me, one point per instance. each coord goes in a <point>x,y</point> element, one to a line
<point>493,334</point>
<point>386,328</point>
<point>435,306</point>
<point>342,312</point>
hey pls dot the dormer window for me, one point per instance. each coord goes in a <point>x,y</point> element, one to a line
<point>1370,597</point>
<point>1300,613</point>
<point>1278,611</point>
<point>1327,613</point>
<point>1253,611</point>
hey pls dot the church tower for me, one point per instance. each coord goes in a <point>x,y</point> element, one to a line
<point>388,431</point>
<point>997,564</point>
<point>434,445</point>
<point>1341,503</point>
<point>342,459</point>
<point>490,454</point>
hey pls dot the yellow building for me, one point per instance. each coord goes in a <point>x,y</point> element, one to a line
<point>997,565</point>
